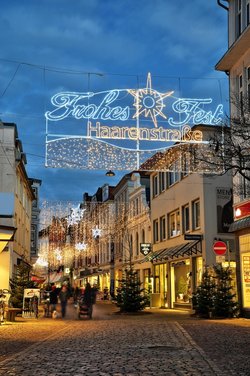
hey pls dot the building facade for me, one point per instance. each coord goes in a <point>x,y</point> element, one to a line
<point>16,196</point>
<point>236,64</point>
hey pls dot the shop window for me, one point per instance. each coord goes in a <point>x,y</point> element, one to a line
<point>156,230</point>
<point>186,218</point>
<point>162,228</point>
<point>174,224</point>
<point>196,214</point>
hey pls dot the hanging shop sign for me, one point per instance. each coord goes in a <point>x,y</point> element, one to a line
<point>145,248</point>
<point>132,123</point>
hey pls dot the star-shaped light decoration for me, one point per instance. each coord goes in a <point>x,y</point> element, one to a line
<point>80,246</point>
<point>149,102</point>
<point>96,232</point>
<point>75,216</point>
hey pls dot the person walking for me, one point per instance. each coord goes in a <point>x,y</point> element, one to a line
<point>88,298</point>
<point>53,299</point>
<point>63,296</point>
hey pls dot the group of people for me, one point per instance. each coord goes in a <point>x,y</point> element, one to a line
<point>63,294</point>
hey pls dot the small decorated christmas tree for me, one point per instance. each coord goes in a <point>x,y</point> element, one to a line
<point>203,299</point>
<point>131,297</point>
<point>225,304</point>
<point>20,282</point>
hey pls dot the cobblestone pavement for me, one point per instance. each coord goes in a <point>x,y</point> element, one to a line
<point>158,342</point>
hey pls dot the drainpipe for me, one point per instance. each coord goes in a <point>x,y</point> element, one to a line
<point>222,5</point>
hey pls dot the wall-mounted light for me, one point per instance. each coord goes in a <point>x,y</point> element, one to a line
<point>110,173</point>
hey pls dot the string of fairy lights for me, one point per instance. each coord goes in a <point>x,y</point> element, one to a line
<point>70,231</point>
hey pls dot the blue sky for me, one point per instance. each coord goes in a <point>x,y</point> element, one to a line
<point>58,45</point>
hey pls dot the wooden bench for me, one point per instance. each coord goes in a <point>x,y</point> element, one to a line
<point>11,313</point>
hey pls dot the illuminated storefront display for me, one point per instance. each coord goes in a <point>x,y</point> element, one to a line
<point>244,242</point>
<point>121,128</point>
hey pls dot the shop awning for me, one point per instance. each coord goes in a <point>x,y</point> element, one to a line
<point>151,256</point>
<point>240,224</point>
<point>180,250</point>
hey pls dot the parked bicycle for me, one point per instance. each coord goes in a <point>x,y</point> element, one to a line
<point>4,295</point>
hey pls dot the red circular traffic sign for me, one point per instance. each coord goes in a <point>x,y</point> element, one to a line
<point>220,248</point>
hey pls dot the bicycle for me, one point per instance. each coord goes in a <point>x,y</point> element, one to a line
<point>3,300</point>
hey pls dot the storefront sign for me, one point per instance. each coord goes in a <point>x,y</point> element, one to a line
<point>145,248</point>
<point>242,211</point>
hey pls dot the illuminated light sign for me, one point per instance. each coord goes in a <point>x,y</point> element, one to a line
<point>121,128</point>
<point>145,134</point>
<point>242,210</point>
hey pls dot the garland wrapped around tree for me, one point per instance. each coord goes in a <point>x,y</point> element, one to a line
<point>130,296</point>
<point>18,283</point>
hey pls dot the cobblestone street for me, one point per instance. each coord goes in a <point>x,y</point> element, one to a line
<point>157,342</point>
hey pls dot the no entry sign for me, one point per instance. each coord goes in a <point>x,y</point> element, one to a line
<point>220,248</point>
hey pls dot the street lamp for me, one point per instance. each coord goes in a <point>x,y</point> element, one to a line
<point>6,235</point>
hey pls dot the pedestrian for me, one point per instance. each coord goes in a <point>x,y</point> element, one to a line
<point>53,299</point>
<point>88,295</point>
<point>63,296</point>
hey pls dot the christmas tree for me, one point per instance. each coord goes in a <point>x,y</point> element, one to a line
<point>130,296</point>
<point>203,299</point>
<point>224,302</point>
<point>20,282</point>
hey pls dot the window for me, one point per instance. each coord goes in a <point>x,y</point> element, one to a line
<point>174,224</point>
<point>238,19</point>
<point>248,87</point>
<point>156,230</point>
<point>137,244</point>
<point>173,174</point>
<point>240,90</point>
<point>155,185</point>
<point>143,236</point>
<point>162,181</point>
<point>162,228</point>
<point>186,219</point>
<point>248,14</point>
<point>196,214</point>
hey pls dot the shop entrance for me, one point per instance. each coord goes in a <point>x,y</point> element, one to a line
<point>181,284</point>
